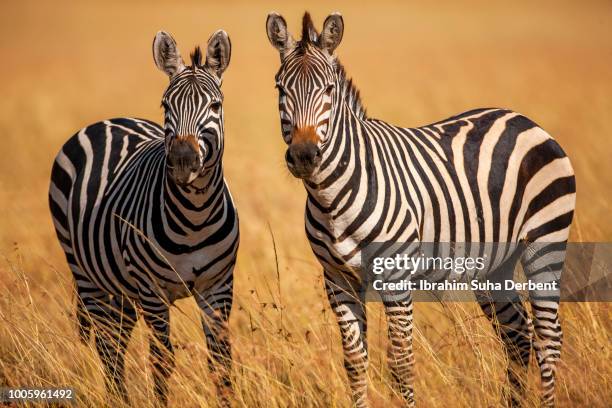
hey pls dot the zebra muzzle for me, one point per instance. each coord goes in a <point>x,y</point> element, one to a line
<point>183,161</point>
<point>302,159</point>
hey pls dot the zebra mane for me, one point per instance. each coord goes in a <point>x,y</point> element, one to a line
<point>309,32</point>
<point>196,57</point>
<point>350,92</point>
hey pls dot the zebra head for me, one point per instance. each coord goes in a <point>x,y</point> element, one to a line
<point>193,111</point>
<point>307,84</point>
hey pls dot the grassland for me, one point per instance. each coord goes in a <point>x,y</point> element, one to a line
<point>66,65</point>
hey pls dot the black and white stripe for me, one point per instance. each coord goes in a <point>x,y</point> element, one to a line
<point>484,176</point>
<point>145,217</point>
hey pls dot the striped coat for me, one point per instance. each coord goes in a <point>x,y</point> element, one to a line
<point>145,217</point>
<point>484,176</point>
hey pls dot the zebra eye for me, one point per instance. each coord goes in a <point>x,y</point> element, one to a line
<point>329,89</point>
<point>215,107</point>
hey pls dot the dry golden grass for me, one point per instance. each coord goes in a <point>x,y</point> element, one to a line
<point>68,65</point>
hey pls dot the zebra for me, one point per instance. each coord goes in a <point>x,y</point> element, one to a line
<point>487,175</point>
<point>145,217</point>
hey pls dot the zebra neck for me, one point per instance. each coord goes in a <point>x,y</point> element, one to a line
<point>348,93</point>
<point>193,207</point>
<point>343,162</point>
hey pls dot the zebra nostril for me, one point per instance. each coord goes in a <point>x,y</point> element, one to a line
<point>183,156</point>
<point>289,157</point>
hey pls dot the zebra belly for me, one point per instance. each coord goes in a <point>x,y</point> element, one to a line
<point>177,276</point>
<point>192,273</point>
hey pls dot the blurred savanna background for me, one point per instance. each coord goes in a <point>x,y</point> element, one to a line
<point>68,64</point>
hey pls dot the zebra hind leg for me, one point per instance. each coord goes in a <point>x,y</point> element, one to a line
<point>112,320</point>
<point>350,312</point>
<point>512,324</point>
<point>399,352</point>
<point>543,263</point>
<point>88,298</point>
<point>114,323</point>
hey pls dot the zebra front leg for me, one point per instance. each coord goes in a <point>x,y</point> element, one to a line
<point>399,351</point>
<point>543,263</point>
<point>216,308</point>
<point>350,312</point>
<point>114,324</point>
<point>157,316</point>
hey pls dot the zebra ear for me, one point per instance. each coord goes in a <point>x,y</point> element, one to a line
<point>166,54</point>
<point>333,29</point>
<point>276,28</point>
<point>218,52</point>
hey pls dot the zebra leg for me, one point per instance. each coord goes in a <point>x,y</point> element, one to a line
<point>543,263</point>
<point>157,317</point>
<point>350,312</point>
<point>511,322</point>
<point>113,320</point>
<point>216,310</point>
<point>399,352</point>
<point>114,323</point>
<point>90,302</point>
